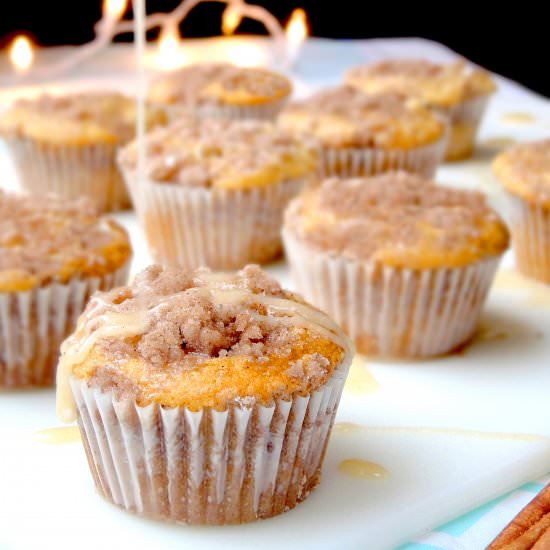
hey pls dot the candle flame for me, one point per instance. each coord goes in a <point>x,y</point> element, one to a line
<point>21,53</point>
<point>297,27</point>
<point>114,8</point>
<point>170,53</point>
<point>231,19</point>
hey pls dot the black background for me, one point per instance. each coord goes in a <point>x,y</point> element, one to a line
<point>513,41</point>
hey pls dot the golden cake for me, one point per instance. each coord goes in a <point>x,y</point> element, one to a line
<point>524,171</point>
<point>53,254</point>
<point>226,385</point>
<point>67,144</point>
<point>453,89</point>
<point>363,134</point>
<point>402,264</point>
<point>215,190</point>
<point>221,89</point>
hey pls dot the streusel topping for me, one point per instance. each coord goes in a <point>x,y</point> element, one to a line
<point>345,117</point>
<point>50,239</point>
<point>398,219</point>
<point>220,153</point>
<point>198,338</point>
<point>76,118</point>
<point>437,84</point>
<point>524,169</point>
<point>219,83</point>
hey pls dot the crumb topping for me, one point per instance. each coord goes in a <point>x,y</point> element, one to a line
<point>78,117</point>
<point>437,84</point>
<point>524,169</point>
<point>398,219</point>
<point>219,83</point>
<point>222,153</point>
<point>174,335</point>
<point>343,117</point>
<point>51,239</point>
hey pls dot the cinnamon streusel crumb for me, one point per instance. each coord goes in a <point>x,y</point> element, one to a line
<point>223,153</point>
<point>398,219</point>
<point>201,339</point>
<point>345,117</point>
<point>76,119</point>
<point>524,170</point>
<point>50,239</point>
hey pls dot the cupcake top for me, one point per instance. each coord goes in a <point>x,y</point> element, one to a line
<point>440,85</point>
<point>48,239</point>
<point>219,84</point>
<point>345,117</point>
<point>399,220</point>
<point>201,339</point>
<point>223,154</point>
<point>76,119</point>
<point>524,170</point>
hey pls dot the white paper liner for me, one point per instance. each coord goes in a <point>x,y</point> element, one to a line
<point>70,171</point>
<point>530,228</point>
<point>33,324</point>
<point>393,312</point>
<point>207,467</point>
<point>223,229</point>
<point>264,111</point>
<point>368,161</point>
<point>465,119</point>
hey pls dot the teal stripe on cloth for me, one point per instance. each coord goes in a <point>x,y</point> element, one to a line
<point>532,487</point>
<point>460,525</point>
<point>417,546</point>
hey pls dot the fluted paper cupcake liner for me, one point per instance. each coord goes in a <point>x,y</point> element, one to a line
<point>393,312</point>
<point>221,229</point>
<point>33,324</point>
<point>465,119</point>
<point>70,171</point>
<point>369,161</point>
<point>530,228</point>
<point>207,467</point>
<point>264,111</point>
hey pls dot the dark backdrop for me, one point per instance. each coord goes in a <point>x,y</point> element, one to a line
<point>511,41</point>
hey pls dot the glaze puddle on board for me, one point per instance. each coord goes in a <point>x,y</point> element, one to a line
<point>537,294</point>
<point>518,118</point>
<point>362,469</point>
<point>498,143</point>
<point>351,427</point>
<point>58,436</point>
<point>360,381</point>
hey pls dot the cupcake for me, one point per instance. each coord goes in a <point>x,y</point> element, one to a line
<point>363,134</point>
<point>214,191</point>
<point>524,171</point>
<point>453,89</point>
<point>402,264</point>
<point>201,397</point>
<point>54,254</point>
<point>221,89</point>
<point>67,144</point>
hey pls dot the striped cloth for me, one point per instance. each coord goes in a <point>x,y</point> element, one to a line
<point>476,529</point>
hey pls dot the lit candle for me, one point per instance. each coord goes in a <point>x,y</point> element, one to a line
<point>21,54</point>
<point>296,32</point>
<point>170,54</point>
<point>114,9</point>
<point>231,18</point>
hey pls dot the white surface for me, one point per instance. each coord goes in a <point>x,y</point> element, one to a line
<point>47,494</point>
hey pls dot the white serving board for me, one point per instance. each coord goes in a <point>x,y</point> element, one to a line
<point>446,430</point>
